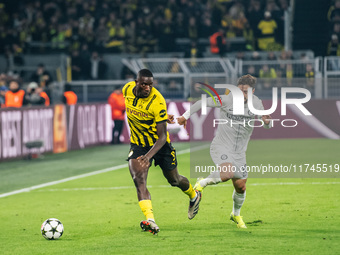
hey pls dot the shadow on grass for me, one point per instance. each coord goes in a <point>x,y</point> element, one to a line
<point>255,222</point>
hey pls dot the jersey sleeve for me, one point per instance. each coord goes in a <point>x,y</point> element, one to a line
<point>126,88</point>
<point>260,107</point>
<point>211,102</point>
<point>159,111</point>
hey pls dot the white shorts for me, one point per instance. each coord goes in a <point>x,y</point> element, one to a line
<point>220,154</point>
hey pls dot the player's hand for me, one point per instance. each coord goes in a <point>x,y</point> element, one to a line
<point>182,121</point>
<point>144,161</point>
<point>170,119</point>
<point>266,119</point>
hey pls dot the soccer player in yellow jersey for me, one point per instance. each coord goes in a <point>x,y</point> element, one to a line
<point>147,117</point>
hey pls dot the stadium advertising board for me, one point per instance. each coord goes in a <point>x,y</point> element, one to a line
<point>25,125</point>
<point>59,128</point>
<point>88,125</point>
<point>55,129</point>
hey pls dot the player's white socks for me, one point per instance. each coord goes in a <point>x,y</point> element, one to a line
<point>238,199</point>
<point>213,178</point>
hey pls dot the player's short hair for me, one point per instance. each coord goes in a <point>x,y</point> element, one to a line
<point>144,73</point>
<point>247,80</point>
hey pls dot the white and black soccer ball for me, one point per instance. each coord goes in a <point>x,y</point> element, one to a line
<point>52,229</point>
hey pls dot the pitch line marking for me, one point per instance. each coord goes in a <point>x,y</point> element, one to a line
<point>62,180</point>
<point>168,186</point>
<point>76,177</point>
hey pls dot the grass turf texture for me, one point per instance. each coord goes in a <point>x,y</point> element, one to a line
<point>101,215</point>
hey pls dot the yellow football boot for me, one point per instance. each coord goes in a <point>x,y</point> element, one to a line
<point>238,220</point>
<point>198,186</point>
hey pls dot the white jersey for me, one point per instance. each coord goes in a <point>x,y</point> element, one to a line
<point>235,133</point>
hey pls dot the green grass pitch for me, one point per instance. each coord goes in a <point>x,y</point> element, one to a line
<point>101,215</point>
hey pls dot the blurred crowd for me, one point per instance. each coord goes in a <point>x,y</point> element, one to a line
<point>37,92</point>
<point>333,47</point>
<point>136,25</point>
<point>279,70</point>
<point>278,65</point>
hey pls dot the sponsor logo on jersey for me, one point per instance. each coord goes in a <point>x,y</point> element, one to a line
<point>137,113</point>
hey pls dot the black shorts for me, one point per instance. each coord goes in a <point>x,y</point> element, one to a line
<point>165,157</point>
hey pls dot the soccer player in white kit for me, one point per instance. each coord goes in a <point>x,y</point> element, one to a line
<point>228,148</point>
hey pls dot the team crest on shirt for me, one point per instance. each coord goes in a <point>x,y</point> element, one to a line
<point>250,113</point>
<point>224,157</point>
<point>141,105</point>
<point>162,113</point>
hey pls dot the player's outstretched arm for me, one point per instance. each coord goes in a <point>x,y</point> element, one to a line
<point>209,103</point>
<point>144,160</point>
<point>182,120</point>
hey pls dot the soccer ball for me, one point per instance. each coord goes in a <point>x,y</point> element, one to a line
<point>52,229</point>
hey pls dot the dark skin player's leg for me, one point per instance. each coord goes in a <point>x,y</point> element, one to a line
<point>176,180</point>
<point>139,175</point>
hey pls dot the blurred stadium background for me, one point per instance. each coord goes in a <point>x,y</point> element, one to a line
<point>96,46</point>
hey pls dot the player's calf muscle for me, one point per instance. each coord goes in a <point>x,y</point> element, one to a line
<point>142,191</point>
<point>183,183</point>
<point>176,180</point>
<point>173,182</point>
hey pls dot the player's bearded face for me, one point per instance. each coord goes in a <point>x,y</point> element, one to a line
<point>143,86</point>
<point>244,89</point>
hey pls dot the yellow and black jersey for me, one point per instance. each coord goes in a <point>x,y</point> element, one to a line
<point>143,114</point>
